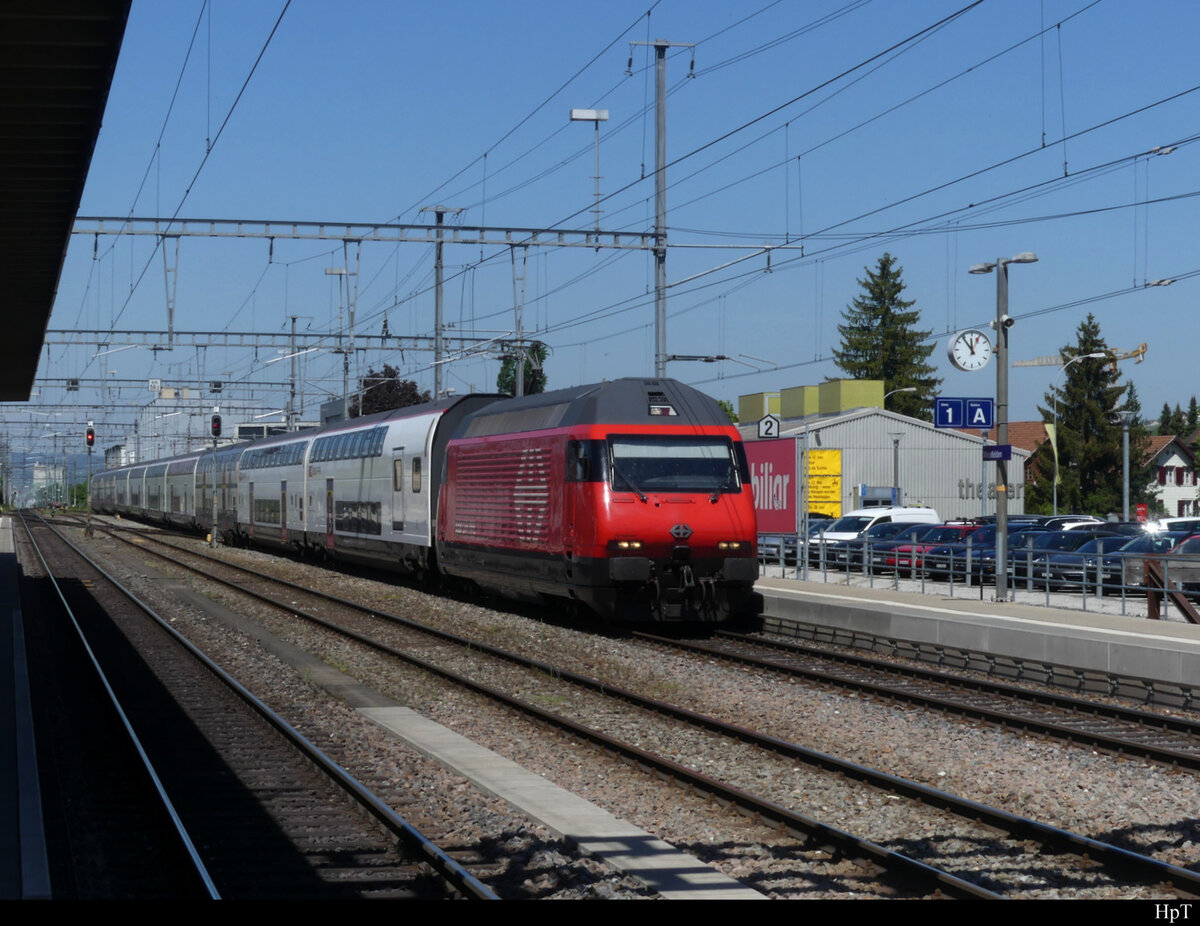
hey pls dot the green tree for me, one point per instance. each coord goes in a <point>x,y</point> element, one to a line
<point>1164,419</point>
<point>383,391</point>
<point>879,341</point>
<point>727,407</point>
<point>533,372</point>
<point>1192,421</point>
<point>1172,422</point>
<point>1089,435</point>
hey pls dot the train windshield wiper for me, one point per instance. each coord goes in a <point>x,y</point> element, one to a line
<point>629,482</point>
<point>720,487</point>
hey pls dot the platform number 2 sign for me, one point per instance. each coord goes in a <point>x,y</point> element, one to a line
<point>768,427</point>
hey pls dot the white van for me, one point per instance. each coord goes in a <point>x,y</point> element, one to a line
<point>853,523</point>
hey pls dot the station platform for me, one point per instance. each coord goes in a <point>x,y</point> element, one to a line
<point>1091,650</point>
<point>24,869</point>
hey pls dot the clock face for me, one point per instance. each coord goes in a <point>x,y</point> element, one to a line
<point>970,350</point>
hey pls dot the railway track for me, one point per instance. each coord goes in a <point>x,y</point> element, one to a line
<point>972,824</point>
<point>1173,740</point>
<point>261,812</point>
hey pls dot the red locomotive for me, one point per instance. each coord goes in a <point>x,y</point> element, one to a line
<point>630,497</point>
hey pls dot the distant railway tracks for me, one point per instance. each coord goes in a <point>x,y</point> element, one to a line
<point>256,810</point>
<point>979,851</point>
<point>1173,740</point>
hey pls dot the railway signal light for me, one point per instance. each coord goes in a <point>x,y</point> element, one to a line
<point>215,428</point>
<point>91,437</point>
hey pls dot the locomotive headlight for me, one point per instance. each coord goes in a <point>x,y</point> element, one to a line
<point>626,546</point>
<point>731,546</point>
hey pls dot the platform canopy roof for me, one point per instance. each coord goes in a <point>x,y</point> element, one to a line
<point>57,59</point>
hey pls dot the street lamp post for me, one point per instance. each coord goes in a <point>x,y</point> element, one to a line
<point>895,436</point>
<point>1002,324</point>
<point>1125,416</point>
<point>888,395</point>
<point>1096,355</point>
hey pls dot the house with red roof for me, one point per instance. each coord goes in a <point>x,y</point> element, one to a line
<point>1174,475</point>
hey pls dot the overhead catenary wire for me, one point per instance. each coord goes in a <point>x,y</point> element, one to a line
<point>846,238</point>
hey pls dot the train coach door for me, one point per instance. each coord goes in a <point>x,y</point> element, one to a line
<point>399,511</point>
<point>329,514</point>
<point>250,515</point>
<point>283,512</point>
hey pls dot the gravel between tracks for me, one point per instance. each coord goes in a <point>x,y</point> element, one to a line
<point>1127,802</point>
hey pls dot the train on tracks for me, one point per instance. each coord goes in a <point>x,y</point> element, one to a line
<point>629,498</point>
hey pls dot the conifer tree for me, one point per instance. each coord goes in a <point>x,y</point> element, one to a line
<point>879,341</point>
<point>1172,422</point>
<point>1193,417</point>
<point>1164,419</point>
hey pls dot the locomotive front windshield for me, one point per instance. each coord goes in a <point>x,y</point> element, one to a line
<point>656,463</point>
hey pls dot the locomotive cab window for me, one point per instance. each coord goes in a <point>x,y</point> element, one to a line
<point>586,461</point>
<point>661,463</point>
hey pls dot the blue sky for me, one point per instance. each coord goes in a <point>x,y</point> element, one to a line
<point>811,124</point>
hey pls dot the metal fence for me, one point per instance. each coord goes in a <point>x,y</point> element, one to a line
<point>1110,582</point>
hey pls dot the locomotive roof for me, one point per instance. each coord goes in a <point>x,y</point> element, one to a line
<point>623,401</point>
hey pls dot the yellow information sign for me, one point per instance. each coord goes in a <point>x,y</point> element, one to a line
<point>825,482</point>
<point>824,463</point>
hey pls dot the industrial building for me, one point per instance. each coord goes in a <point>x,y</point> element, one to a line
<point>860,455</point>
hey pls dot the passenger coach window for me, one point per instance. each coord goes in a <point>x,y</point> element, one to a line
<point>398,475</point>
<point>416,474</point>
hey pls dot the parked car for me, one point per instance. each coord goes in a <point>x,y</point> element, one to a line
<point>852,524</point>
<point>1032,550</point>
<point>1098,565</point>
<point>849,554</point>
<point>906,552</point>
<point>1185,559</point>
<point>974,555</point>
<point>770,546</point>
<point>1129,528</point>
<point>1191,525</point>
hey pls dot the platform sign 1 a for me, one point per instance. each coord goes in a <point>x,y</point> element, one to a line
<point>950,412</point>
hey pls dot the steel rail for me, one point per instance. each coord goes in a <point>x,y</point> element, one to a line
<point>1109,742</point>
<point>439,860</point>
<point>1013,824</point>
<point>177,824</point>
<point>752,805</point>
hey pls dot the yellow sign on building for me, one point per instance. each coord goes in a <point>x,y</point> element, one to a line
<point>825,482</point>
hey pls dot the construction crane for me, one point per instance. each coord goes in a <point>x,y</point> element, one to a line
<point>1138,354</point>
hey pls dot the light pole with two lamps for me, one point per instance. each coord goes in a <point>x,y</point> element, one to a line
<point>1126,417</point>
<point>1003,322</point>
<point>895,436</point>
